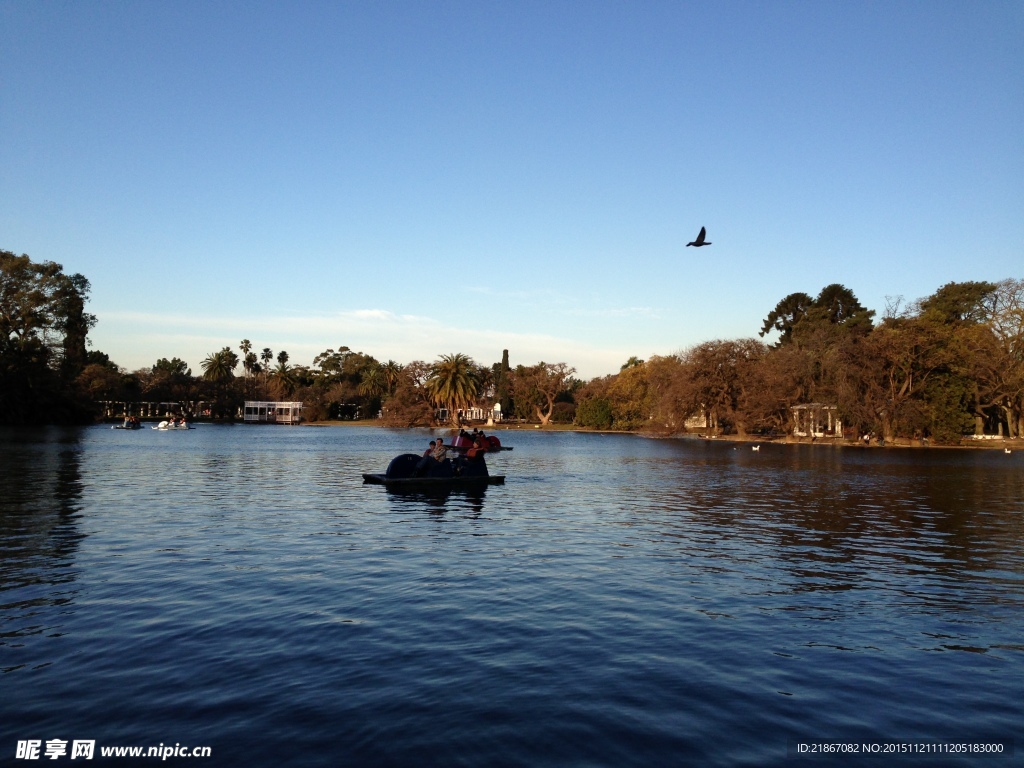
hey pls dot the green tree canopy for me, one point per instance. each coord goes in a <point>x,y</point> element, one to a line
<point>454,383</point>
<point>220,366</point>
<point>536,387</point>
<point>787,313</point>
<point>798,315</point>
<point>959,303</point>
<point>43,330</point>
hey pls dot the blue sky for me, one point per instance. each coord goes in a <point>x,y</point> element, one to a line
<point>412,179</point>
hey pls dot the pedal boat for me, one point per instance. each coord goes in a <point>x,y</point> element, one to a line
<point>460,472</point>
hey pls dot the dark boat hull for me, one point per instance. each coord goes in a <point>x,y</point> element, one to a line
<point>434,482</point>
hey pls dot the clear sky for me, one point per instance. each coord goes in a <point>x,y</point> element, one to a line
<point>416,178</point>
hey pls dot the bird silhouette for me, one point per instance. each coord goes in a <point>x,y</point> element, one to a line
<point>700,239</point>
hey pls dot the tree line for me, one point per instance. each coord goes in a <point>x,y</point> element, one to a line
<point>940,367</point>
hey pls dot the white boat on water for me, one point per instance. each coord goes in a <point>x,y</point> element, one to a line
<point>166,426</point>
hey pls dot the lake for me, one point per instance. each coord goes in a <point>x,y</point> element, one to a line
<point>620,601</point>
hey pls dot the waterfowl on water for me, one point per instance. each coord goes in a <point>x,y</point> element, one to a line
<point>700,239</point>
<point>756,448</point>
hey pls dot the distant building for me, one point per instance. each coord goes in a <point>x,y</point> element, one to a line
<point>816,420</point>
<point>266,412</point>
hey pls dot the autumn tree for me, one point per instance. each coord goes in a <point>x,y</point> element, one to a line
<point>1005,320</point>
<point>719,378</point>
<point>628,395</point>
<point>536,387</point>
<point>409,403</point>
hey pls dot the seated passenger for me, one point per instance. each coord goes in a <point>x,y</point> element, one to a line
<point>425,462</point>
<point>440,451</point>
<point>479,448</point>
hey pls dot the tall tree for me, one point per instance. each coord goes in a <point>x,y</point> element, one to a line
<point>787,313</point>
<point>835,305</point>
<point>454,384</point>
<point>537,386</point>
<point>284,380</point>
<point>503,385</point>
<point>720,377</point>
<point>43,330</point>
<point>409,404</point>
<point>959,303</point>
<point>218,368</point>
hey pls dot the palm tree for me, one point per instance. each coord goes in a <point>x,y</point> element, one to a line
<point>373,383</point>
<point>220,366</point>
<point>266,356</point>
<point>251,366</point>
<point>454,383</point>
<point>246,347</point>
<point>284,379</point>
<point>392,372</point>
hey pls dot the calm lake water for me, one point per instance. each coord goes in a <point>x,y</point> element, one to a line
<point>620,601</point>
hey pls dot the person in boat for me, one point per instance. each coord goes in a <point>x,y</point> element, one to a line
<point>426,461</point>
<point>480,446</point>
<point>440,450</point>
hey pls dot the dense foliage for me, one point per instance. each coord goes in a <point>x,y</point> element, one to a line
<point>43,329</point>
<point>939,368</point>
<point>948,365</point>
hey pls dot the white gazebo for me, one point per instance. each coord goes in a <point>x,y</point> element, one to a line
<point>816,420</point>
<point>268,412</point>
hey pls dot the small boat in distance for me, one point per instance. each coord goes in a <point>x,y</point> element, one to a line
<point>166,426</point>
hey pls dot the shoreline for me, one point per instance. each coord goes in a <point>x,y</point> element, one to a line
<point>989,443</point>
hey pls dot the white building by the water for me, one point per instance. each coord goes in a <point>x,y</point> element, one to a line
<point>267,412</point>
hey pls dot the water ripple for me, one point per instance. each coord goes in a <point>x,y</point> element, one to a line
<point>620,601</point>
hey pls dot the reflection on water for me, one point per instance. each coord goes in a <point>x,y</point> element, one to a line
<point>455,501</point>
<point>620,601</point>
<point>39,536</point>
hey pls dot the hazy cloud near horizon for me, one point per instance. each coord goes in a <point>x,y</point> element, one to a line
<point>381,333</point>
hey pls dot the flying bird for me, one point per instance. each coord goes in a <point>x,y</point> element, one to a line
<point>700,239</point>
